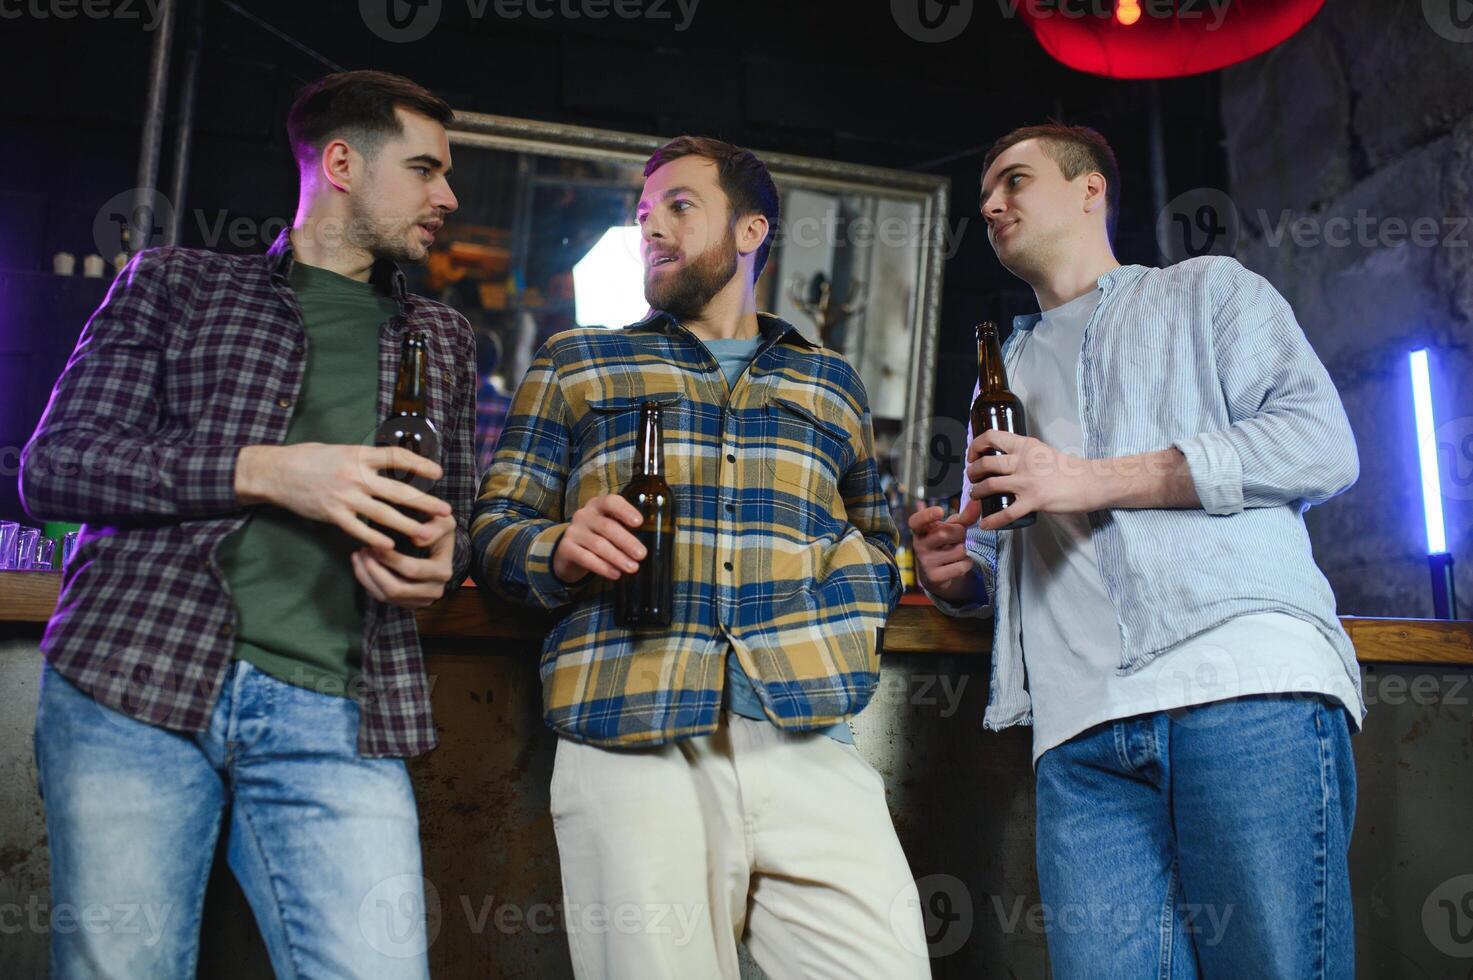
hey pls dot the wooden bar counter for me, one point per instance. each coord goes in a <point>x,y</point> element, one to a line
<point>467,618</point>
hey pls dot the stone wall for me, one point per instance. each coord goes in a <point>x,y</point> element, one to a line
<point>1350,155</point>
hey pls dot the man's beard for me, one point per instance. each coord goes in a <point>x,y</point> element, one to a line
<point>686,293</point>
<point>384,237</point>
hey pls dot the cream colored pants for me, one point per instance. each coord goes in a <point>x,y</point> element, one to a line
<point>672,854</point>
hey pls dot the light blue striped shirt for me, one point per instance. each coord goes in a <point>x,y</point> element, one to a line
<point>1207,357</point>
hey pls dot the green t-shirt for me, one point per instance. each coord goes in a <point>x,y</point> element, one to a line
<point>300,608</point>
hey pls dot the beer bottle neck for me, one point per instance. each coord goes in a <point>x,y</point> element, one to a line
<point>991,376</point>
<point>409,389</point>
<point>650,460</point>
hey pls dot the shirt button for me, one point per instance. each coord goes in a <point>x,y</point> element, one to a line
<point>730,508</point>
<point>731,457</point>
<point>227,629</point>
<point>726,565</point>
<point>299,350</point>
<point>283,403</point>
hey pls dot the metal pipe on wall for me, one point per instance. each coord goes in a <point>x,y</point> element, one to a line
<point>184,131</point>
<point>141,219</point>
<point>1444,590</point>
<point>1157,142</point>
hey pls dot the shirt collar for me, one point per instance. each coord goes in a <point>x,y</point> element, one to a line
<point>385,274</point>
<point>1119,276</point>
<point>773,328</point>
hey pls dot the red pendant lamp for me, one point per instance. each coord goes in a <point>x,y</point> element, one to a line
<point>1162,38</point>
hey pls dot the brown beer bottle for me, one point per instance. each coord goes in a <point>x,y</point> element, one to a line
<point>409,427</point>
<point>647,598</point>
<point>996,408</point>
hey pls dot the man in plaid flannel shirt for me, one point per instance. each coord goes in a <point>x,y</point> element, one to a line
<point>706,788</point>
<point>230,593</point>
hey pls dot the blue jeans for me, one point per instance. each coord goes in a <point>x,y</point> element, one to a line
<point>1210,841</point>
<point>325,844</point>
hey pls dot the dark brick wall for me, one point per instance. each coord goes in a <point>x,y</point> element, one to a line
<point>1329,185</point>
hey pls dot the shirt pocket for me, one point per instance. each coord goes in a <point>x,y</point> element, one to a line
<point>608,439</point>
<point>806,450</point>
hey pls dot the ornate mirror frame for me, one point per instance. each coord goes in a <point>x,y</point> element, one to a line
<point>929,192</point>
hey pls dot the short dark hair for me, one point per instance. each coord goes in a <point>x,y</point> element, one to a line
<point>744,180</point>
<point>357,106</point>
<point>1077,150</point>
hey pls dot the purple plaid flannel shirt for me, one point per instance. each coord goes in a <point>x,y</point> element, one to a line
<point>193,356</point>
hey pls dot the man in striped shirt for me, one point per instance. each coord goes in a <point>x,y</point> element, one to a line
<point>706,788</point>
<point>1162,625</point>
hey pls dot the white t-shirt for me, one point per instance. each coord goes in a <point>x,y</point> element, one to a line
<point>1071,636</point>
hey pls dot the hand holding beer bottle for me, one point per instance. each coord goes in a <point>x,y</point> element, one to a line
<point>409,427</point>
<point>629,537</point>
<point>646,598</point>
<point>995,408</point>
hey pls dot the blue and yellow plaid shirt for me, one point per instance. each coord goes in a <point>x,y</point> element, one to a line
<point>785,550</point>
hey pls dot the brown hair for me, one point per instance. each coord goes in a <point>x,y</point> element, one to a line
<point>1077,150</point>
<point>744,179</point>
<point>357,106</point>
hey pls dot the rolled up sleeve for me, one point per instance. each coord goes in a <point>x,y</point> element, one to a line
<point>1289,440</point>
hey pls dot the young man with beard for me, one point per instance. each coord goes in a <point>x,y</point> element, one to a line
<point>706,788</point>
<point>1162,625</point>
<point>235,639</point>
